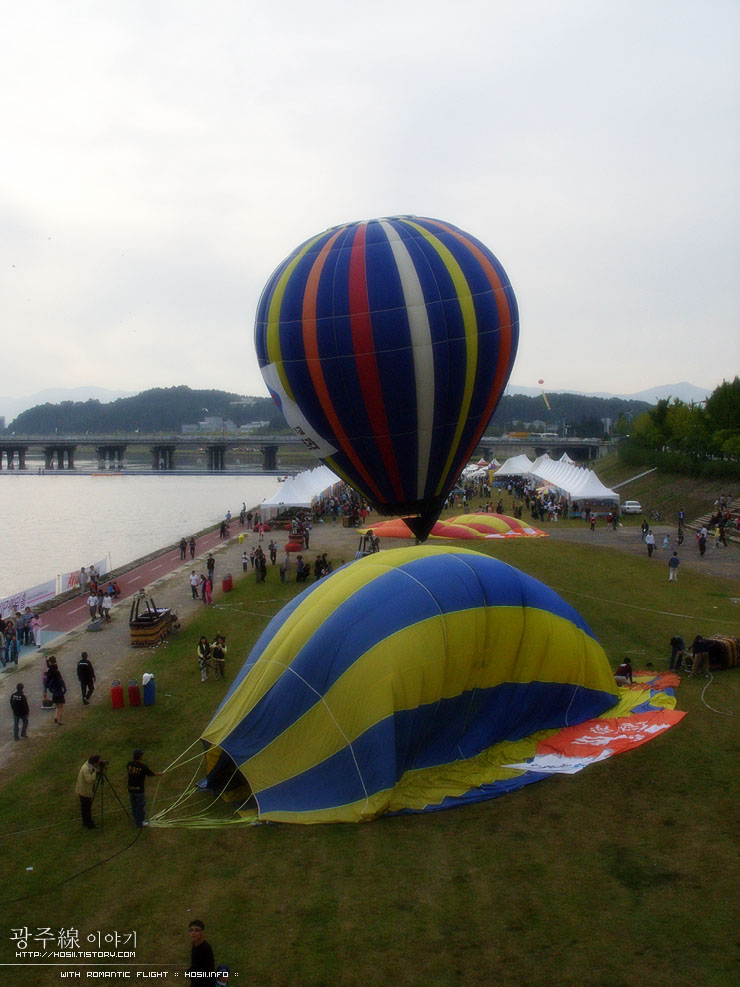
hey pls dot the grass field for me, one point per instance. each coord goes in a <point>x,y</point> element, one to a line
<point>623,874</point>
<point>661,491</point>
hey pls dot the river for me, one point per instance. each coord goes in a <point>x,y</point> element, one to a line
<point>56,523</point>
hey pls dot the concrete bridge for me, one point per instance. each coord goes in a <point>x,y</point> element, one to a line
<point>59,450</point>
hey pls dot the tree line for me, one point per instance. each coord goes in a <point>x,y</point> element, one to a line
<point>696,438</point>
<point>161,409</point>
<point>167,409</point>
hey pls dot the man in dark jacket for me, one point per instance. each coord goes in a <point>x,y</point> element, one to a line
<point>138,773</point>
<point>86,675</point>
<point>19,705</point>
<point>201,954</point>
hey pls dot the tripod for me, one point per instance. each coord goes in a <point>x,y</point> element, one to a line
<point>102,783</point>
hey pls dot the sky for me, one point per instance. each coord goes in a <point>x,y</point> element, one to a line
<point>162,158</point>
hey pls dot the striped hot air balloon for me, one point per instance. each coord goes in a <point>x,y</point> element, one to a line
<point>405,681</point>
<point>387,344</point>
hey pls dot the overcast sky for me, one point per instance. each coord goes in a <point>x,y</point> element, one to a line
<point>161,158</point>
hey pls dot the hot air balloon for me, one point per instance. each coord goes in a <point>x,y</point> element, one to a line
<point>387,344</point>
<point>412,680</point>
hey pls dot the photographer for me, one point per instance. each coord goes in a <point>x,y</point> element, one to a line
<point>85,787</point>
<point>218,655</point>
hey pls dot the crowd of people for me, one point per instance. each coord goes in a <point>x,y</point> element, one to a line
<point>23,628</point>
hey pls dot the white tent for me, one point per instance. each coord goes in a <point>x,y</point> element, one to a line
<point>514,466</point>
<point>300,490</point>
<point>575,482</point>
<point>565,458</point>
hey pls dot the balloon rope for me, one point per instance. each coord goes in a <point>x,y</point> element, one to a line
<point>173,763</point>
<point>721,713</point>
<point>187,793</point>
<point>632,606</point>
<point>196,818</point>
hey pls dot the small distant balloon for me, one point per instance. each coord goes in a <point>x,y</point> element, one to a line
<point>387,344</point>
<point>540,382</point>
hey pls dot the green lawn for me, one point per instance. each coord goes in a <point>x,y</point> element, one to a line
<point>623,874</point>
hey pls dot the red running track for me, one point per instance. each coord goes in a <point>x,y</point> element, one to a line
<point>73,613</point>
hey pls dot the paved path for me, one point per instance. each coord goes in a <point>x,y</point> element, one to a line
<point>166,580</point>
<point>723,562</point>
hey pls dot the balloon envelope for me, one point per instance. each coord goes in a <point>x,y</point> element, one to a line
<point>387,344</point>
<point>467,527</point>
<point>390,685</point>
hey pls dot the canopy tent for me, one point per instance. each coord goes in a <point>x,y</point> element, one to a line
<point>565,458</point>
<point>575,482</point>
<point>514,466</point>
<point>300,490</point>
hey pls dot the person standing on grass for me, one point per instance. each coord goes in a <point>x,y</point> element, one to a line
<point>85,788</point>
<point>218,654</point>
<point>138,773</point>
<point>201,954</point>
<point>86,676</point>
<point>673,564</point>
<point>210,566</point>
<point>19,705</point>
<point>107,606</point>
<point>194,584</point>
<point>204,657</point>
<point>650,542</point>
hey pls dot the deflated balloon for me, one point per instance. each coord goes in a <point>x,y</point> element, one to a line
<point>388,344</point>
<point>399,683</point>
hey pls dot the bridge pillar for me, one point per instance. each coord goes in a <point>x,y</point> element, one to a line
<point>269,457</point>
<point>216,458</point>
<point>163,457</point>
<point>110,457</point>
<point>10,453</point>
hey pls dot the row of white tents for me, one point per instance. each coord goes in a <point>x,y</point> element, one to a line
<point>576,483</point>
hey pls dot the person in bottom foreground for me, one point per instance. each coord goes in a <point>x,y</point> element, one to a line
<point>201,954</point>
<point>138,772</point>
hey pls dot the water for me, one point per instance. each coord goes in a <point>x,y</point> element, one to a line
<point>55,523</point>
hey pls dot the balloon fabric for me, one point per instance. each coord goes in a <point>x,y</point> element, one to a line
<point>397,684</point>
<point>387,344</point>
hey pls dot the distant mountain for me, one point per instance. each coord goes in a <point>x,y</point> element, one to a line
<point>155,410</point>
<point>684,391</point>
<point>12,407</point>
